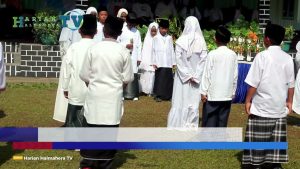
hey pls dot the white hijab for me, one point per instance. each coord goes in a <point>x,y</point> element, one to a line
<point>91,10</point>
<point>191,39</point>
<point>66,33</point>
<point>122,10</point>
<point>147,48</point>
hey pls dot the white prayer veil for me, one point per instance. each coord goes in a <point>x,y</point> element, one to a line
<point>147,48</point>
<point>68,36</point>
<point>122,10</point>
<point>192,39</point>
<point>91,10</point>
<point>66,33</point>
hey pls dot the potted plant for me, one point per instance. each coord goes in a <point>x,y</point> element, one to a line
<point>289,35</point>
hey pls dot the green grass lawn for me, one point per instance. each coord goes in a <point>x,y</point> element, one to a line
<point>32,104</point>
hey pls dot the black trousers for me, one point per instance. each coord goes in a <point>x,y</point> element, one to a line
<point>97,159</point>
<point>215,113</point>
<point>74,116</point>
<point>163,83</point>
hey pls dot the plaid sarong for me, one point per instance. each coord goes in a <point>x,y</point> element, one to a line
<point>261,129</point>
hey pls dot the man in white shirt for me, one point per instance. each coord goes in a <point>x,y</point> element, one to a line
<point>74,88</point>
<point>296,99</point>
<point>269,99</point>
<point>106,69</point>
<point>131,39</point>
<point>219,81</point>
<point>163,60</point>
<point>102,16</point>
<point>2,71</point>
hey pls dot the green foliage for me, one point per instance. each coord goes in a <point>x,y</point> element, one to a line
<point>47,27</point>
<point>143,31</point>
<point>289,33</point>
<point>246,36</point>
<point>209,37</point>
<point>175,27</point>
<point>241,28</point>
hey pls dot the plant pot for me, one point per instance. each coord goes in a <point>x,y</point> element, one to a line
<point>286,45</point>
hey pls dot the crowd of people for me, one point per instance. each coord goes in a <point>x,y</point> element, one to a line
<point>208,14</point>
<point>100,68</point>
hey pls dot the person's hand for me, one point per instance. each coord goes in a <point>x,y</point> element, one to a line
<point>66,94</point>
<point>129,46</point>
<point>289,106</point>
<point>203,98</point>
<point>247,107</point>
<point>155,67</point>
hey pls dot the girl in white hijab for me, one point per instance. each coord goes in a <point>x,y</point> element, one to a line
<point>92,10</point>
<point>148,72</point>
<point>191,52</point>
<point>122,13</point>
<point>68,36</point>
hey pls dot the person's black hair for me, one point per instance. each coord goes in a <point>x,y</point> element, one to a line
<point>101,8</point>
<point>275,33</point>
<point>113,26</point>
<point>89,26</point>
<point>163,23</point>
<point>223,35</point>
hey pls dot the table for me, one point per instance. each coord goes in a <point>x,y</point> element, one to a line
<point>241,90</point>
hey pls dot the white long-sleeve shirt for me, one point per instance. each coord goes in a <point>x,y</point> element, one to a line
<point>99,35</point>
<point>220,75</point>
<point>71,81</point>
<point>126,38</point>
<point>163,55</point>
<point>296,100</point>
<point>272,74</point>
<point>106,68</point>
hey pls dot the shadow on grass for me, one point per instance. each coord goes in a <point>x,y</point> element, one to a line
<point>7,152</point>
<point>293,121</point>
<point>121,158</point>
<point>2,114</point>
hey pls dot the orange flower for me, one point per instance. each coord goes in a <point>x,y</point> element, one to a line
<point>252,36</point>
